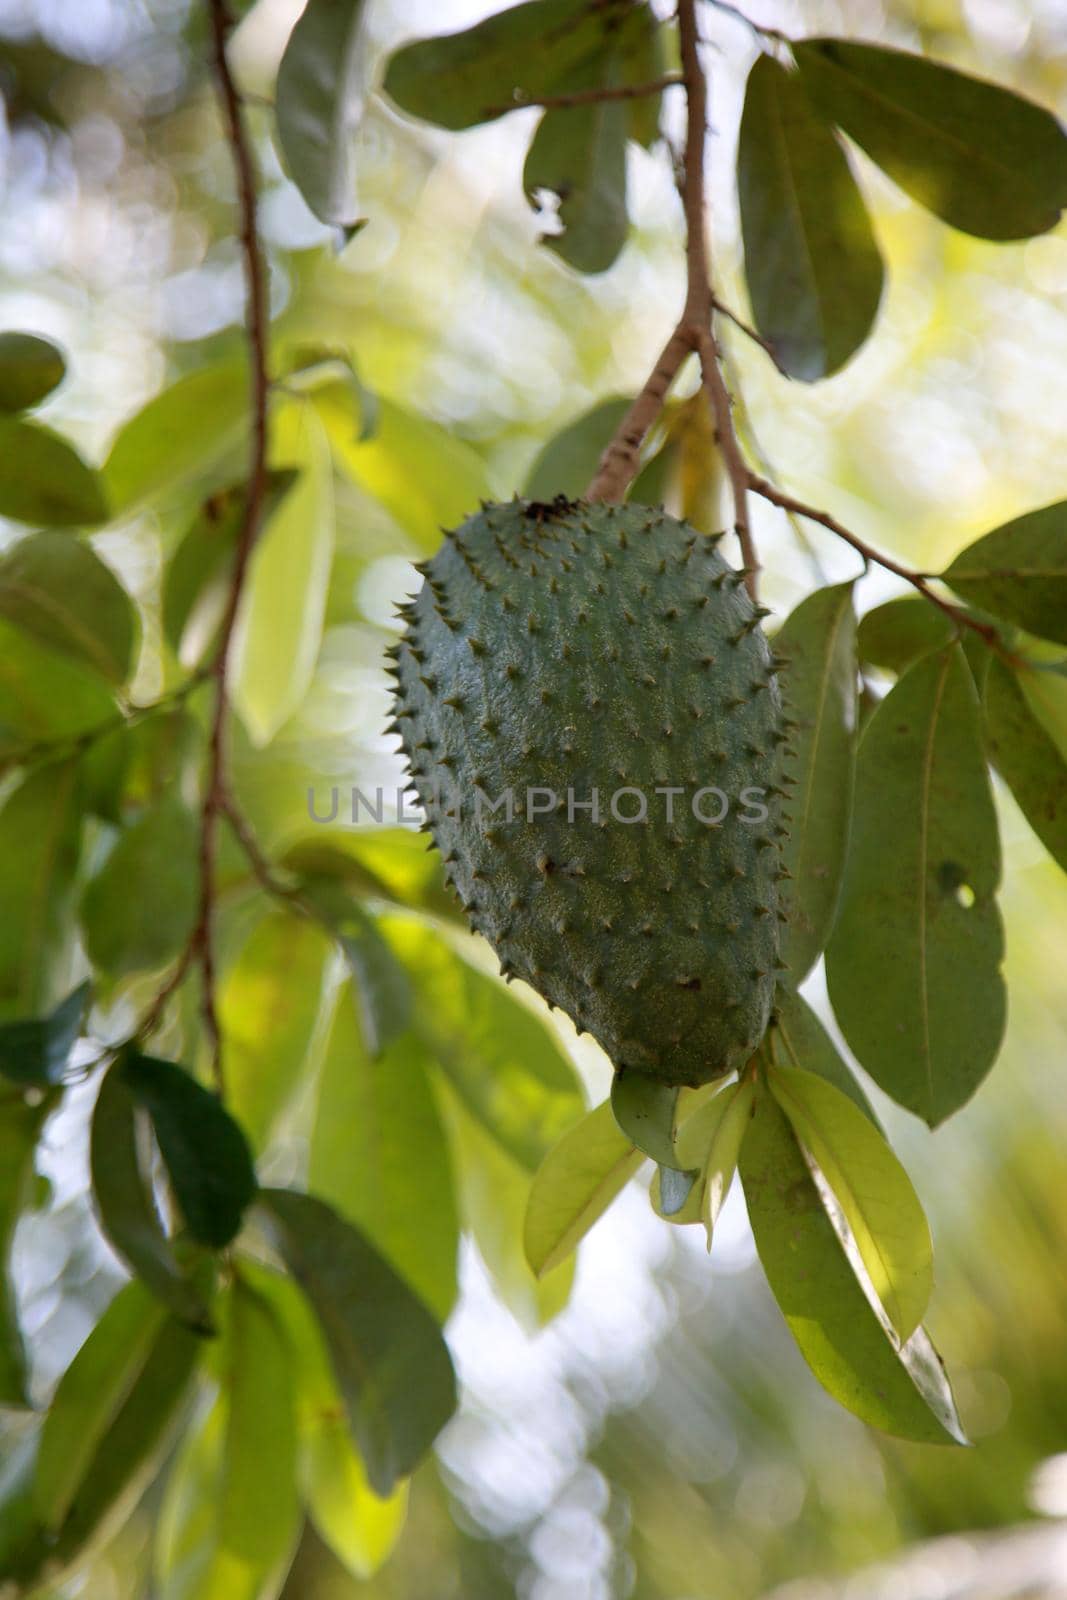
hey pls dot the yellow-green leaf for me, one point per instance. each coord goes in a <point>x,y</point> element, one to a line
<point>575,1184</point>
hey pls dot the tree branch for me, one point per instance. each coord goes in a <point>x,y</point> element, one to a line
<point>587,97</point>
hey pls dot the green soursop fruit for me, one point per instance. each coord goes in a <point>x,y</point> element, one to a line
<point>557,653</point>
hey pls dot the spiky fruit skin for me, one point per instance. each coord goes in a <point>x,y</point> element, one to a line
<point>579,647</point>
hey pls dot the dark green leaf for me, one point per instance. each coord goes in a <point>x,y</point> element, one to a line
<point>90,1395</point>
<point>518,55</point>
<point>899,1388</point>
<point>139,908</point>
<point>1027,758</point>
<point>44,480</point>
<point>205,1153</point>
<point>979,156</point>
<point>569,461</point>
<point>178,436</point>
<point>30,368</point>
<point>322,84</point>
<point>126,1207</point>
<point>40,832</point>
<point>812,263</point>
<point>805,1043</point>
<point>379,1155</point>
<point>45,697</point>
<point>392,1366</point>
<point>819,683</point>
<point>646,1112</point>
<point>897,633</point>
<point>914,963</point>
<point>381,988</point>
<point>35,1050</point>
<point>575,1184</point>
<point>1019,571</point>
<point>20,1128</point>
<point>57,589</point>
<point>504,1063</point>
<point>579,155</point>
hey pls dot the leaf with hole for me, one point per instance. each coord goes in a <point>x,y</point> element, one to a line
<point>913,967</point>
<point>855,1355</point>
<point>819,687</point>
<point>812,264</point>
<point>57,589</point>
<point>579,155</point>
<point>1019,572</point>
<point>980,157</point>
<point>874,1192</point>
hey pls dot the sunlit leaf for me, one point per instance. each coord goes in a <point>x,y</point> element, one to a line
<point>20,1128</point>
<point>819,683</point>
<point>36,1050</point>
<point>126,1207</point>
<point>318,101</point>
<point>44,480</point>
<point>1019,571</point>
<point>56,588</point>
<point>379,1155</point>
<point>985,160</point>
<point>1027,758</point>
<point>279,627</point>
<point>575,1184</point>
<point>874,1192</point>
<point>205,1153</point>
<point>914,963</point>
<point>391,1364</point>
<point>901,1389</point>
<point>140,906</point>
<point>30,368</point>
<point>897,633</point>
<point>800,1040</point>
<point>812,264</point>
<point>178,436</point>
<point>40,829</point>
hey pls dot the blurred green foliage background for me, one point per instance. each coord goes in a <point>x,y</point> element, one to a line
<point>661,1437</point>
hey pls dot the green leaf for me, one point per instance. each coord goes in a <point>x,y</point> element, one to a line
<point>813,267</point>
<point>711,1124</point>
<point>20,1128</point>
<point>521,54</point>
<point>45,697</point>
<point>819,687</point>
<point>896,634</point>
<point>279,626</point>
<point>322,85</point>
<point>40,833</point>
<point>901,1389</point>
<point>1019,572</point>
<point>138,1438</point>
<point>179,436</point>
<point>646,1111</point>
<point>982,158</point>
<point>569,460</point>
<point>56,588</point>
<point>391,1364</point>
<point>205,1153</point>
<point>30,368</point>
<point>360,1528</point>
<point>139,908</point>
<point>89,1397</point>
<point>380,984</point>
<point>575,1184</point>
<point>1027,758</point>
<point>379,1156</point>
<point>196,576</point>
<point>874,1192</point>
<point>720,1164</point>
<point>259,1510</point>
<point>126,1207</point>
<point>806,1045</point>
<point>914,963</point>
<point>35,1050</point>
<point>579,155</point>
<point>44,480</point>
<point>270,1004</point>
<point>423,475</point>
<point>504,1063</point>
